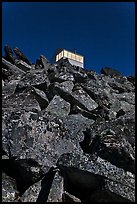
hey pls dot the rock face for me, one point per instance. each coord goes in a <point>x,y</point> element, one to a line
<point>68,134</point>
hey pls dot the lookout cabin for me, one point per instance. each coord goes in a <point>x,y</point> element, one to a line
<point>73,58</point>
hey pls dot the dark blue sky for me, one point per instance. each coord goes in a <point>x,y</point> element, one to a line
<point>104,32</point>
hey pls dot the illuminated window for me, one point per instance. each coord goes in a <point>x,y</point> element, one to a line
<point>81,59</point>
<point>69,55</point>
<point>77,58</point>
<point>73,56</point>
<point>65,53</point>
<point>57,58</point>
<point>61,54</point>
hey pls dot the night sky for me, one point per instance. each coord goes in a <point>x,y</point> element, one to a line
<point>103,32</point>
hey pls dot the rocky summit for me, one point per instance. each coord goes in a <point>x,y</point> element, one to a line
<point>68,134</point>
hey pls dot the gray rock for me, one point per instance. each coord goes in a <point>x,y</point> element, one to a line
<point>10,87</point>
<point>22,101</point>
<point>42,63</point>
<point>31,193</point>
<point>25,171</point>
<point>44,60</point>
<point>128,97</point>
<point>74,126</point>
<point>9,189</point>
<point>61,77</point>
<point>113,144</point>
<point>14,69</point>
<point>56,190</point>
<point>110,72</point>
<point>78,97</point>
<point>22,65</point>
<point>58,106</point>
<point>117,180</point>
<point>41,97</point>
<point>20,55</point>
<point>85,99</point>
<point>67,197</point>
<point>9,55</point>
<point>80,77</point>
<point>3,83</point>
<point>66,86</point>
<point>31,139</point>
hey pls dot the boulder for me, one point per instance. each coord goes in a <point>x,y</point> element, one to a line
<point>22,65</point>
<point>13,69</point>
<point>9,55</point>
<point>9,189</point>
<point>110,72</point>
<point>58,106</point>
<point>21,56</point>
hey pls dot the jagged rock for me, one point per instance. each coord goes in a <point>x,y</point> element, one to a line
<point>12,68</point>
<point>87,102</point>
<point>127,107</point>
<point>10,87</point>
<point>77,97</point>
<point>40,97</point>
<point>61,77</point>
<point>74,125</point>
<point>116,179</point>
<point>22,65</point>
<point>80,77</point>
<point>42,190</point>
<point>3,83</point>
<point>6,75</point>
<point>110,72</point>
<point>127,97</point>
<point>66,86</point>
<point>58,106</point>
<point>21,56</point>
<point>113,144</point>
<point>25,171</point>
<point>21,101</point>
<point>131,79</point>
<point>46,184</point>
<point>9,189</point>
<point>9,55</point>
<point>88,114</point>
<point>56,190</point>
<point>42,62</point>
<point>67,197</point>
<point>31,194</point>
<point>30,138</point>
<point>117,87</point>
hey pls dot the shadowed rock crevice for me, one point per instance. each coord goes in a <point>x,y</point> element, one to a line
<point>41,97</point>
<point>25,172</point>
<point>80,183</point>
<point>46,184</point>
<point>97,145</point>
<point>67,197</point>
<point>89,145</point>
<point>106,196</point>
<point>85,186</point>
